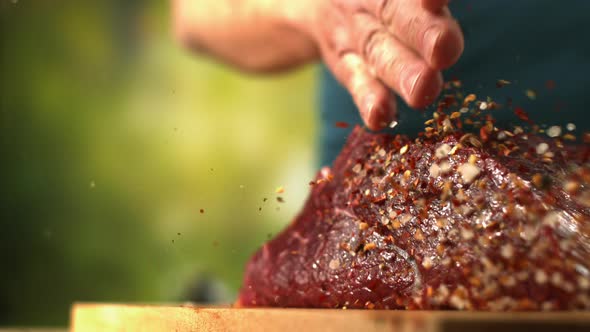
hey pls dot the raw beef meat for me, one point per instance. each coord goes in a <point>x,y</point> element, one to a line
<point>498,221</point>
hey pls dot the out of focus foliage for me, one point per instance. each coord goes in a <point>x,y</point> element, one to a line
<point>113,139</point>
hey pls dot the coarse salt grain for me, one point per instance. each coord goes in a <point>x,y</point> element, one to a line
<point>357,168</point>
<point>483,106</point>
<point>393,124</point>
<point>468,172</point>
<point>528,233</point>
<point>556,279</point>
<point>427,263</point>
<point>444,167</point>
<point>583,282</point>
<point>542,148</point>
<point>540,277</point>
<point>551,218</point>
<point>334,264</point>
<point>442,151</point>
<point>404,218</point>
<point>507,251</point>
<point>571,127</point>
<point>554,131</point>
<point>434,170</point>
<point>467,234</point>
<point>458,303</point>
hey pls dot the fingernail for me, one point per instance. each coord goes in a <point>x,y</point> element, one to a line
<point>410,80</point>
<point>370,110</point>
<point>431,38</point>
<point>379,115</point>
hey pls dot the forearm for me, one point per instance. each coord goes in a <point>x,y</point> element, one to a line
<point>254,35</point>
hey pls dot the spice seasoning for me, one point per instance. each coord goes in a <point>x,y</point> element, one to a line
<point>501,215</point>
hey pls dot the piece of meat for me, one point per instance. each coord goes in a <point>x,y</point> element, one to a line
<point>499,221</point>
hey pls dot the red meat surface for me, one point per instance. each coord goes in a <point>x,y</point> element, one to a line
<point>498,221</point>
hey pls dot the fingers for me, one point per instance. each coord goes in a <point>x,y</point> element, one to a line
<point>395,64</point>
<point>375,103</point>
<point>425,26</point>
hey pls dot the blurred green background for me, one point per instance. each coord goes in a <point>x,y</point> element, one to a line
<point>113,138</point>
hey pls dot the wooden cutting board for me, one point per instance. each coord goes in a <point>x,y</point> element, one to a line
<point>88,317</point>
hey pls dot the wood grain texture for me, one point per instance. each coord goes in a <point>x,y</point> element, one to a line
<point>87,317</point>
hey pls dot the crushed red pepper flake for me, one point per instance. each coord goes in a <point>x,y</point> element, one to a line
<point>521,114</point>
<point>469,98</point>
<point>341,124</point>
<point>369,246</point>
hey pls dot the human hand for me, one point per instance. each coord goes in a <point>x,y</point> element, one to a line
<point>375,46</point>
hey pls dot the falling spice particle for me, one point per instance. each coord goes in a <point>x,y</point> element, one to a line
<point>521,114</point>
<point>571,127</point>
<point>569,137</point>
<point>264,199</point>
<point>469,98</point>
<point>202,211</point>
<point>542,148</point>
<point>501,83</point>
<point>178,234</point>
<point>393,124</point>
<point>531,94</point>
<point>280,199</point>
<point>554,131</point>
<point>280,190</point>
<point>341,124</point>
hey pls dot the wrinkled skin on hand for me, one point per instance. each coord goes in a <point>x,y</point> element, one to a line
<point>376,46</point>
